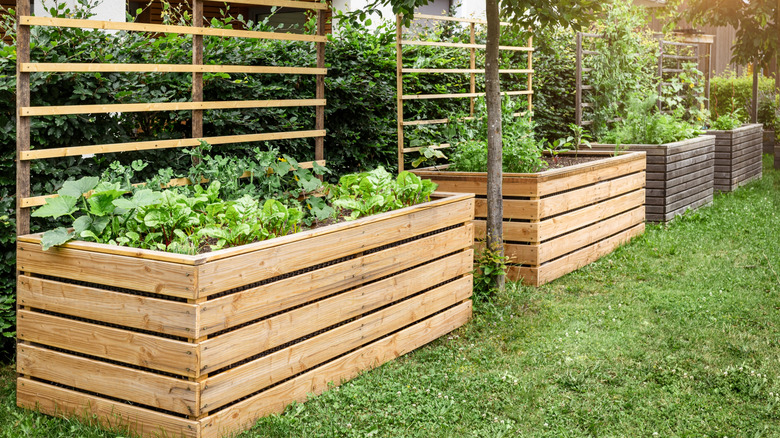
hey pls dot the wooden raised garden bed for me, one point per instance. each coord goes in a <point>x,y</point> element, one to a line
<point>737,156</point>
<point>559,220</point>
<point>679,175</point>
<point>202,346</point>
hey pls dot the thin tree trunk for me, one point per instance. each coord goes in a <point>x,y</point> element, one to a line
<point>495,232</point>
<point>754,102</point>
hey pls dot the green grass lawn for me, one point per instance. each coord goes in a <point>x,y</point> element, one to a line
<point>675,334</point>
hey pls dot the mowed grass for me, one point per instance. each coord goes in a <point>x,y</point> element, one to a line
<point>674,334</point>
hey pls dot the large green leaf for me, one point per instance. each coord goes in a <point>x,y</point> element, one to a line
<point>54,237</point>
<point>141,198</point>
<point>57,207</point>
<point>78,187</point>
<point>101,204</point>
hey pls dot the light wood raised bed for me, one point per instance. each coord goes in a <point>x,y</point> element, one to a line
<point>201,346</point>
<point>737,156</point>
<point>559,220</point>
<point>679,175</point>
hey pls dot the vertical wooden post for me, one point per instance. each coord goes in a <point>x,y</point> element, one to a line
<point>399,87</point>
<point>22,123</point>
<point>319,111</point>
<point>660,70</point>
<point>530,75</point>
<point>708,73</point>
<point>473,66</point>
<point>578,81</point>
<point>197,78</point>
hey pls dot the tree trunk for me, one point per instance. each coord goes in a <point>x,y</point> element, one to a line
<point>495,214</point>
<point>754,102</point>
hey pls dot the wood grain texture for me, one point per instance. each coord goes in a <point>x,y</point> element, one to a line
<point>236,345</point>
<point>263,372</point>
<point>161,28</point>
<point>112,415</point>
<point>134,348</point>
<point>274,400</point>
<point>167,106</point>
<point>165,144</point>
<point>176,395</point>
<point>145,313</point>
<point>120,271</point>
<point>230,310</point>
<point>38,67</point>
<point>22,123</point>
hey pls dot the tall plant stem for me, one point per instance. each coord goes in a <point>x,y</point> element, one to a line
<point>495,212</point>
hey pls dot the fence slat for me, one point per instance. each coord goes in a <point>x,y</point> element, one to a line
<point>464,70</point>
<point>282,4</point>
<point>163,28</point>
<point>461,95</point>
<point>463,45</point>
<point>166,106</point>
<point>165,144</point>
<point>35,67</point>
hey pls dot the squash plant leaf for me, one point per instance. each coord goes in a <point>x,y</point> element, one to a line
<point>57,207</point>
<point>78,187</point>
<point>55,237</point>
<point>141,198</point>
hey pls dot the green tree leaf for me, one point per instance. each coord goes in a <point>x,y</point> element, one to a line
<point>78,187</point>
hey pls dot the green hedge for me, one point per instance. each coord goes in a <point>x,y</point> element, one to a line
<point>740,88</point>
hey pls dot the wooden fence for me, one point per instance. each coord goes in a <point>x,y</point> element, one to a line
<point>25,112</point>
<point>472,71</point>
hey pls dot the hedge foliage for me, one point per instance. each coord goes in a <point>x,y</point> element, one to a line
<point>728,87</point>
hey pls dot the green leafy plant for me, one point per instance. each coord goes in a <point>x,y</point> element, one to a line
<point>489,265</point>
<point>643,126</point>
<point>366,193</point>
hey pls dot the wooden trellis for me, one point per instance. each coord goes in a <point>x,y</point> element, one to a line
<point>25,112</point>
<point>472,71</point>
<point>677,52</point>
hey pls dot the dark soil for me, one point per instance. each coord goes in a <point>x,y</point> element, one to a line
<point>566,161</point>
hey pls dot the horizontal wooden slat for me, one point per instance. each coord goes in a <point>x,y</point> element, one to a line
<point>120,271</point>
<point>133,348</point>
<point>176,395</point>
<point>283,4</point>
<point>513,231</point>
<point>463,45</point>
<point>165,144</point>
<point>57,401</point>
<point>463,70</point>
<point>36,201</point>
<point>256,375</point>
<point>166,106</point>
<point>335,372</point>
<point>432,146</point>
<point>160,28</point>
<point>461,95</point>
<point>340,240</point>
<point>231,310</point>
<point>145,313</point>
<point>527,209</point>
<point>455,19</point>
<point>35,67</point>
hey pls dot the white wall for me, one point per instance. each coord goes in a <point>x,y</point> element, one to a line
<point>471,9</point>
<point>107,10</point>
<point>467,9</point>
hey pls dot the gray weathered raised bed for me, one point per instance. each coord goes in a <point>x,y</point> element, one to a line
<point>737,156</point>
<point>679,175</point>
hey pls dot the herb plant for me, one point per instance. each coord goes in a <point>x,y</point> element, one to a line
<point>644,126</point>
